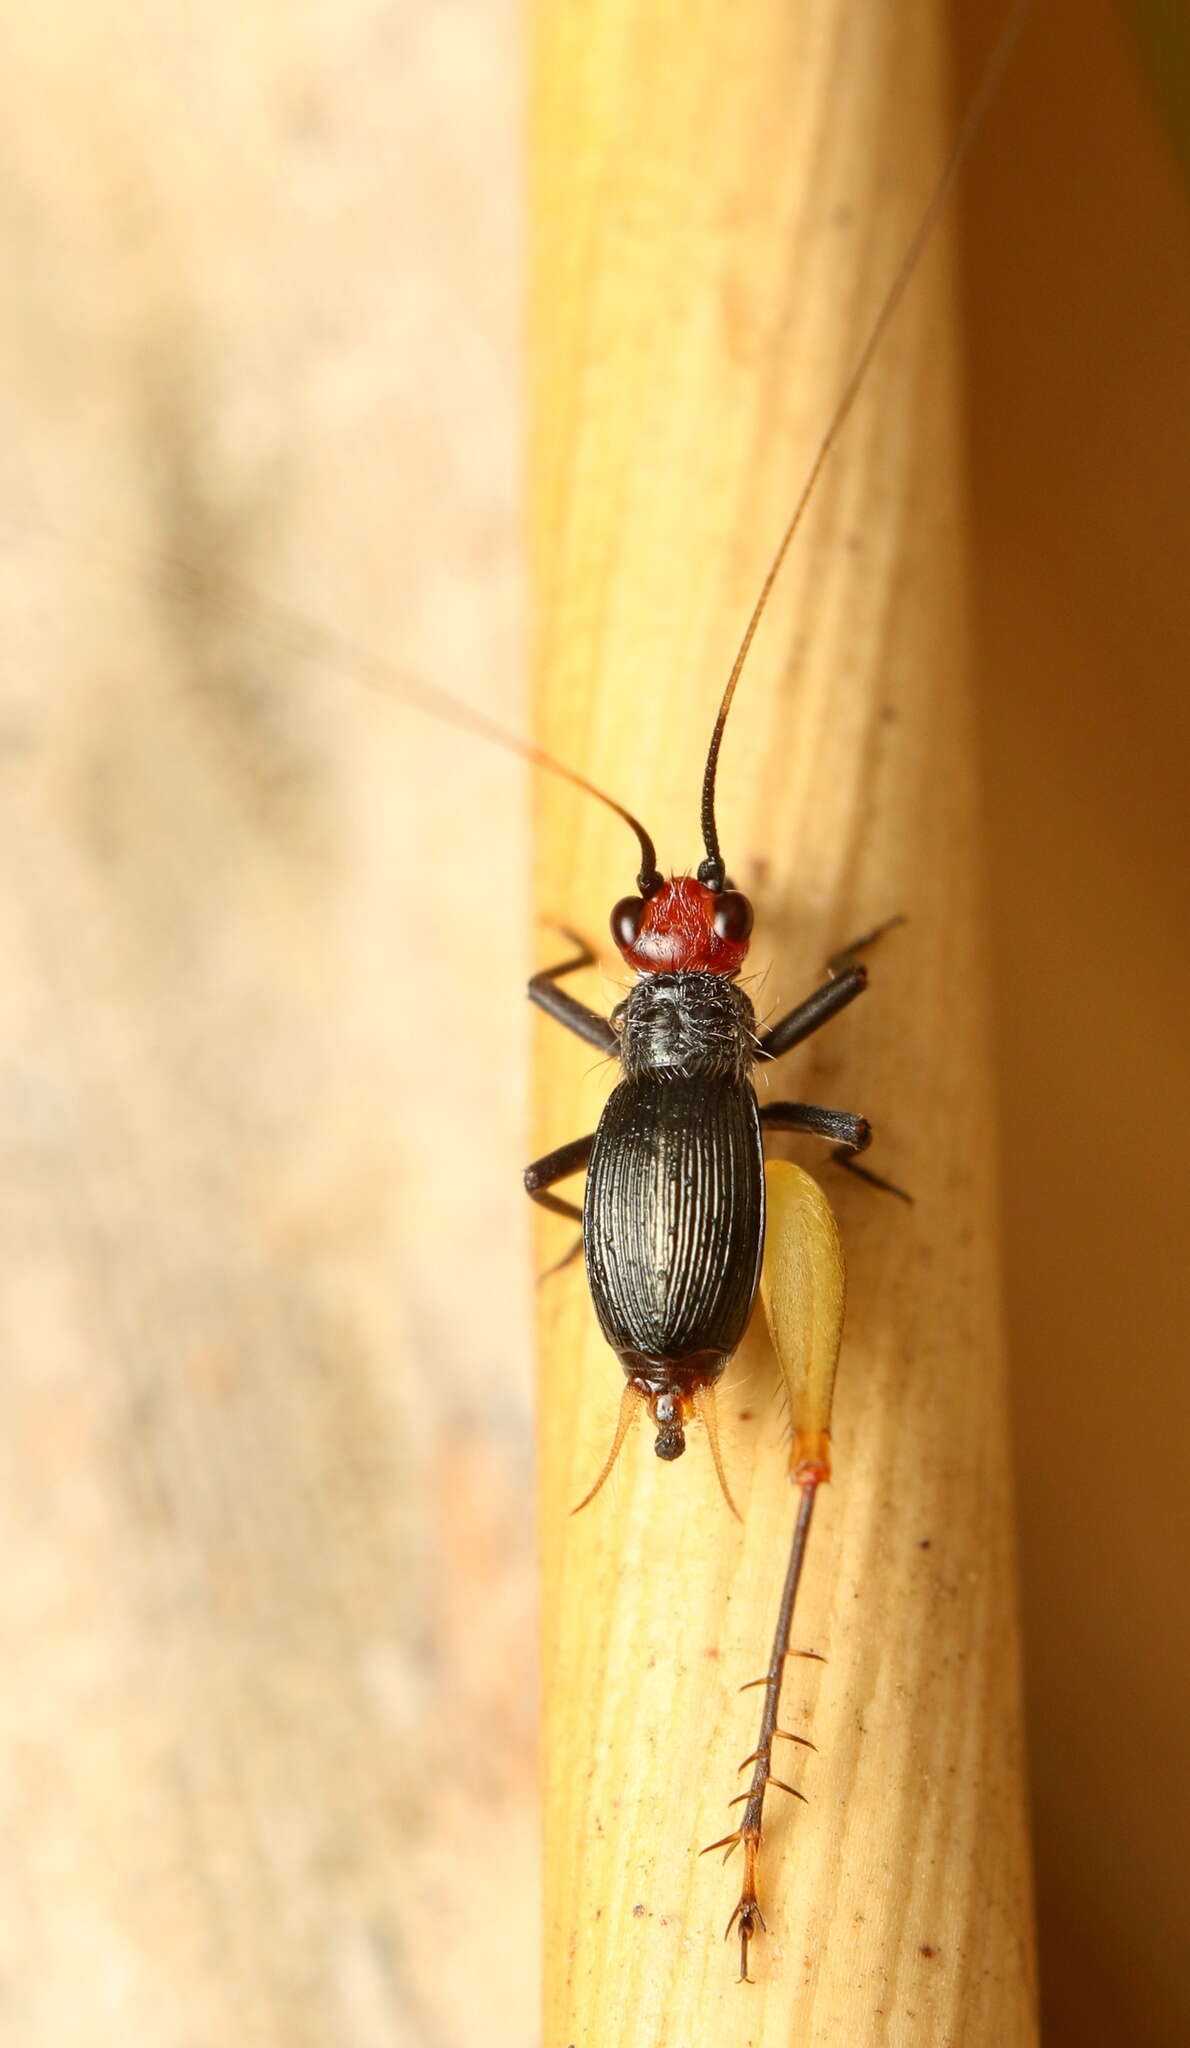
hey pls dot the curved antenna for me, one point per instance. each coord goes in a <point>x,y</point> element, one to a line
<point>440,704</point>
<point>712,872</point>
<point>310,640</point>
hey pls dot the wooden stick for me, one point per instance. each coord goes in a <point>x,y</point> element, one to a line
<point>720,197</point>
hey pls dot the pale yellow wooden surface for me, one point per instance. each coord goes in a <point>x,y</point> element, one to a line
<point>718,199</point>
<point>268,1697</point>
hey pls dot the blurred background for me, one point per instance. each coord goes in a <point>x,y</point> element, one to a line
<point>1076,258</point>
<point>265,1468</point>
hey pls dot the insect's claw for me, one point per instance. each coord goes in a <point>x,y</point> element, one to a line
<point>747,1920</point>
<point>750,1921</point>
<point>748,1916</point>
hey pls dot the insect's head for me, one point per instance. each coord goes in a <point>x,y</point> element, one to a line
<point>683,924</point>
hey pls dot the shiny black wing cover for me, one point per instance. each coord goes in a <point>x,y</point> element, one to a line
<point>673,1220</point>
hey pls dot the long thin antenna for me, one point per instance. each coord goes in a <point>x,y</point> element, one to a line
<point>712,872</point>
<point>309,640</point>
<point>439,703</point>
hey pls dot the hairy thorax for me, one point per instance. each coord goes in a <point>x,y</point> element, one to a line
<point>689,1023</point>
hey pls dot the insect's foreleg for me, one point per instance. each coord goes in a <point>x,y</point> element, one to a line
<point>847,981</point>
<point>809,1016</point>
<point>851,1135</point>
<point>577,1017</point>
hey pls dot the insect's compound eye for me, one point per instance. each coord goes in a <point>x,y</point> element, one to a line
<point>626,921</point>
<point>731,918</point>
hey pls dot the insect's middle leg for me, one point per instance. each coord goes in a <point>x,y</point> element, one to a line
<point>555,1166</point>
<point>540,1177</point>
<point>850,1134</point>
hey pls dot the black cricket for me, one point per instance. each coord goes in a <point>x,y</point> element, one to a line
<point>674,1210</point>
<point>673,1213</point>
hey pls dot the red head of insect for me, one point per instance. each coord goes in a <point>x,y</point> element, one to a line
<point>692,922</point>
<point>683,925</point>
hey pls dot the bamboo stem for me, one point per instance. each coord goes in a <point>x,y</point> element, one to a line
<point>720,198</point>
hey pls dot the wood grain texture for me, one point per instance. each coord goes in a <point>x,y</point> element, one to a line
<point>718,201</point>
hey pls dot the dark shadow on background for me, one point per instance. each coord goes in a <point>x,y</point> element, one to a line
<point>1077,281</point>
